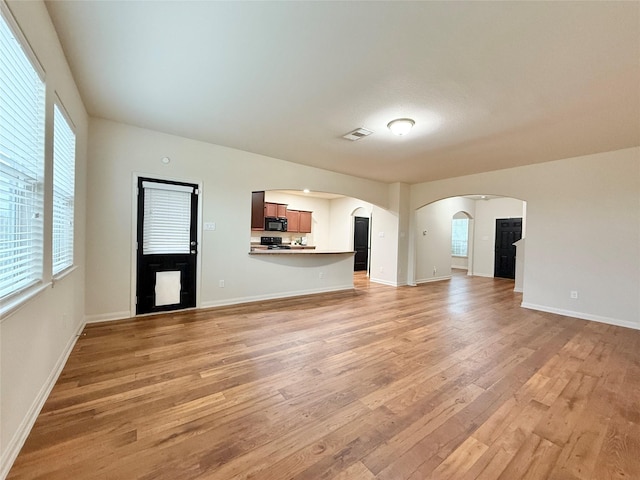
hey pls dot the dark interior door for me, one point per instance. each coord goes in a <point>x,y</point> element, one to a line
<point>361,243</point>
<point>508,231</point>
<point>167,245</point>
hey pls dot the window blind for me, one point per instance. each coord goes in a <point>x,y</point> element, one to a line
<point>167,218</point>
<point>22,98</point>
<point>64,153</point>
<point>459,236</point>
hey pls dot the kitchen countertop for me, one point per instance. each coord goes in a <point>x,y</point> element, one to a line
<point>308,251</point>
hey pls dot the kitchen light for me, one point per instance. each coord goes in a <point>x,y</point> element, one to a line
<point>401,126</point>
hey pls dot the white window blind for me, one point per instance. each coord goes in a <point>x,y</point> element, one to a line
<point>64,162</point>
<point>21,166</point>
<point>459,236</point>
<point>167,218</point>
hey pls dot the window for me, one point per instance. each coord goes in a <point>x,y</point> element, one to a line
<point>167,218</point>
<point>64,154</point>
<point>22,98</point>
<point>459,236</point>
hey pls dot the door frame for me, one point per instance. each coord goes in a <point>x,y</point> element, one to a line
<point>353,239</point>
<point>134,238</point>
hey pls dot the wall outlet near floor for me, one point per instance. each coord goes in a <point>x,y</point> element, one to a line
<point>574,294</point>
<point>321,275</point>
<point>221,283</point>
<point>435,270</point>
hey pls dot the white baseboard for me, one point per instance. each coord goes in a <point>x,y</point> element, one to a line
<point>517,290</point>
<point>485,275</point>
<point>581,315</point>
<point>107,317</point>
<point>15,444</point>
<point>434,279</point>
<point>274,296</point>
<point>383,282</point>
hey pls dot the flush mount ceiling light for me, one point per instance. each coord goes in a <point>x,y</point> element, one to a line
<point>401,126</point>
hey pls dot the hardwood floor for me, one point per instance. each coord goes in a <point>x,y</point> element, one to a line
<point>448,380</point>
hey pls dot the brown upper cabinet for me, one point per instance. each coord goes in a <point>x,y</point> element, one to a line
<point>293,220</point>
<point>298,221</point>
<point>257,210</point>
<point>305,222</point>
<point>275,209</point>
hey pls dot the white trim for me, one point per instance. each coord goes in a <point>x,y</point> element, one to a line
<point>67,271</point>
<point>434,279</point>
<point>582,315</point>
<point>124,315</point>
<point>275,296</point>
<point>383,282</point>
<point>6,12</point>
<point>106,317</point>
<point>518,290</point>
<point>21,299</point>
<point>485,275</point>
<point>14,445</point>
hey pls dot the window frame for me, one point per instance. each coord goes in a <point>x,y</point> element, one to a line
<point>466,244</point>
<point>66,268</point>
<point>36,283</point>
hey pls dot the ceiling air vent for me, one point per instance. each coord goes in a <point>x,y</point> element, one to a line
<point>357,134</point>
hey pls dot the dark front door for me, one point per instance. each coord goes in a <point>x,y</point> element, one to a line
<point>361,243</point>
<point>508,231</point>
<point>167,246</point>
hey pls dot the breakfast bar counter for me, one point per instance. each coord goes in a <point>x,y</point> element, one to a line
<point>279,251</point>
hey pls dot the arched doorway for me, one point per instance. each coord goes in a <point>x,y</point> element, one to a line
<point>433,249</point>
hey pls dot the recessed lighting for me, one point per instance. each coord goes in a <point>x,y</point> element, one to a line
<point>401,126</point>
<point>306,190</point>
<point>165,160</point>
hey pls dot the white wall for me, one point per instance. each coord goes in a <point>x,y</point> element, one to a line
<point>487,211</point>
<point>36,338</point>
<point>341,226</point>
<point>433,237</point>
<point>228,177</point>
<point>583,231</point>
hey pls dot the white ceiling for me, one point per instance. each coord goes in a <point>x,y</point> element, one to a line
<point>490,84</point>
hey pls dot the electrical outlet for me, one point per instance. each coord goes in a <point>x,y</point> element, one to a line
<point>210,226</point>
<point>221,284</point>
<point>435,270</point>
<point>321,275</point>
<point>574,294</point>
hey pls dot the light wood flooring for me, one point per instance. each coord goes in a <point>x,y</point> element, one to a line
<point>448,380</point>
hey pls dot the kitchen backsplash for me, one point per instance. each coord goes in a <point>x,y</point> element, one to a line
<point>286,238</point>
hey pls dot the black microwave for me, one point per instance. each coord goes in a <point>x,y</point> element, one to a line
<point>275,224</point>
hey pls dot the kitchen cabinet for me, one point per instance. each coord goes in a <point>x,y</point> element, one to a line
<point>293,220</point>
<point>298,221</point>
<point>257,210</point>
<point>304,226</point>
<point>275,209</point>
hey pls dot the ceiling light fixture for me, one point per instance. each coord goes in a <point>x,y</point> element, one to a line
<point>306,190</point>
<point>401,126</point>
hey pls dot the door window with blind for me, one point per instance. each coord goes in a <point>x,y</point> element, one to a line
<point>22,107</point>
<point>64,154</point>
<point>167,218</point>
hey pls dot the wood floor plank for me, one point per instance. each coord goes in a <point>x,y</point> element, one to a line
<point>447,380</point>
